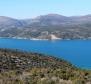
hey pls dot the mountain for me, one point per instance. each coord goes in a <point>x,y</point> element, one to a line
<point>73,27</point>
<point>18,67</point>
<point>7,22</point>
<point>45,20</point>
<point>55,19</point>
<point>50,19</point>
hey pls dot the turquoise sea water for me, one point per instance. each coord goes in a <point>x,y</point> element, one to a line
<point>77,52</point>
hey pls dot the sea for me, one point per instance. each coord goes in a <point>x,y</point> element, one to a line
<point>77,52</point>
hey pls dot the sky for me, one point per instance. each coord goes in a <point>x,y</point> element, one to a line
<point>31,8</point>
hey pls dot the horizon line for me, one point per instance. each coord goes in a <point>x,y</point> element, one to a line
<point>45,15</point>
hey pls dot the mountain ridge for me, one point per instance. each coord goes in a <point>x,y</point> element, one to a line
<point>45,17</point>
<point>73,27</point>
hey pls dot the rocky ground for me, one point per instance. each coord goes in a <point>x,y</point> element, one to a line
<point>18,67</point>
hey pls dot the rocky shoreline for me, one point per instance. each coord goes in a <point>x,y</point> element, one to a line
<point>45,39</point>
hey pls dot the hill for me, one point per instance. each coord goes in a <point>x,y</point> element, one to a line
<point>18,67</point>
<point>73,27</point>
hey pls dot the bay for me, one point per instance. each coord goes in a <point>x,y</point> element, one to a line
<point>77,52</point>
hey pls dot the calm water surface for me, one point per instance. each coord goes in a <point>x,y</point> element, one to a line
<point>77,52</point>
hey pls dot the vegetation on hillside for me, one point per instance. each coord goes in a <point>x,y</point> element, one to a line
<point>18,67</point>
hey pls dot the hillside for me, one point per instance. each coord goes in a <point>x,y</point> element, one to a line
<point>18,67</point>
<point>73,27</point>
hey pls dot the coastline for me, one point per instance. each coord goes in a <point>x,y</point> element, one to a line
<point>30,38</point>
<point>45,39</point>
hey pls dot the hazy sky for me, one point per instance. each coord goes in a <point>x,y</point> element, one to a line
<point>32,8</point>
